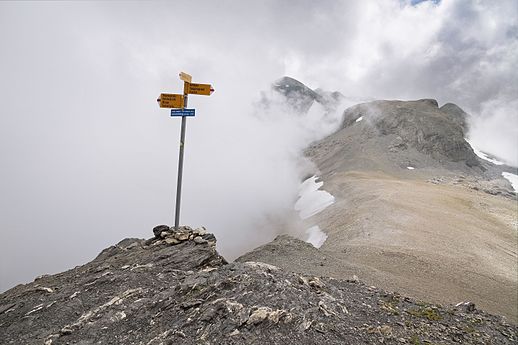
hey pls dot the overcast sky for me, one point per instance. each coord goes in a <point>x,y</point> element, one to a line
<point>88,158</point>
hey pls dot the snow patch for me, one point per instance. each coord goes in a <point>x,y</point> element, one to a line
<point>359,119</point>
<point>312,200</point>
<point>511,178</point>
<point>483,155</point>
<point>410,168</point>
<point>316,236</point>
<point>486,157</point>
<point>310,185</point>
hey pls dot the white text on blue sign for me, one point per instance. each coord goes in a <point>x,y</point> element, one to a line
<point>182,112</point>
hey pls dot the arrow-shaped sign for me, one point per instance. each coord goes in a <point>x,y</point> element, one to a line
<point>169,100</point>
<point>199,89</point>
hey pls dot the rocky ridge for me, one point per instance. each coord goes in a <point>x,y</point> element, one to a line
<point>418,124</point>
<point>176,288</point>
<point>416,209</point>
<point>393,136</point>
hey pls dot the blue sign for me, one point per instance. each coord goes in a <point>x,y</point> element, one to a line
<point>182,112</point>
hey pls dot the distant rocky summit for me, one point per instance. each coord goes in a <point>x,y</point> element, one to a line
<point>300,97</point>
<point>393,136</point>
<point>297,94</point>
<point>396,134</point>
<point>176,289</point>
<point>419,125</point>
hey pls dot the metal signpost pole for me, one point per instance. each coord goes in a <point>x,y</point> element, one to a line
<point>178,105</point>
<point>180,162</point>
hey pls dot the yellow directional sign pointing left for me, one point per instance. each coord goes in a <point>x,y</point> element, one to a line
<point>169,100</point>
<point>199,89</point>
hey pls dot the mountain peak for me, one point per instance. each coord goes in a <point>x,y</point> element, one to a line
<point>402,133</point>
<point>458,115</point>
<point>300,97</point>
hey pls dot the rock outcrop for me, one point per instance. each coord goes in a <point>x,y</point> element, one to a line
<point>458,115</point>
<point>393,136</point>
<point>301,98</point>
<point>176,289</point>
<point>420,125</point>
<point>297,94</point>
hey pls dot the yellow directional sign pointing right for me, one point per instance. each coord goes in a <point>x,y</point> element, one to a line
<point>199,89</point>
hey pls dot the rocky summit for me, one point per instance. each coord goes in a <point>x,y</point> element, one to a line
<point>176,289</point>
<point>300,98</point>
<point>421,125</point>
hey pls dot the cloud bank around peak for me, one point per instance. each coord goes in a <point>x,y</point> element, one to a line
<point>455,51</point>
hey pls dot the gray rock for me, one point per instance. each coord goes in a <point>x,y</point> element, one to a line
<point>181,236</point>
<point>467,307</point>
<point>458,115</point>
<point>298,95</point>
<point>418,124</point>
<point>172,240</point>
<point>300,98</point>
<point>199,240</point>
<point>157,230</point>
<point>200,231</point>
<point>259,315</point>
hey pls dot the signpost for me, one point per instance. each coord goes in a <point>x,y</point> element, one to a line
<point>168,100</point>
<point>179,105</point>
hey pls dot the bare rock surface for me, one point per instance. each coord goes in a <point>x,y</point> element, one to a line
<point>391,136</point>
<point>457,115</point>
<point>297,94</point>
<point>156,292</point>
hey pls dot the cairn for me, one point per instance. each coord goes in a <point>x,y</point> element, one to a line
<point>170,236</point>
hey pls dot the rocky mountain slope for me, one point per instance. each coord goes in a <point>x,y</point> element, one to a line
<point>415,209</point>
<point>176,289</point>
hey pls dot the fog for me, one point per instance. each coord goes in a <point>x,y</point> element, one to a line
<point>88,158</point>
